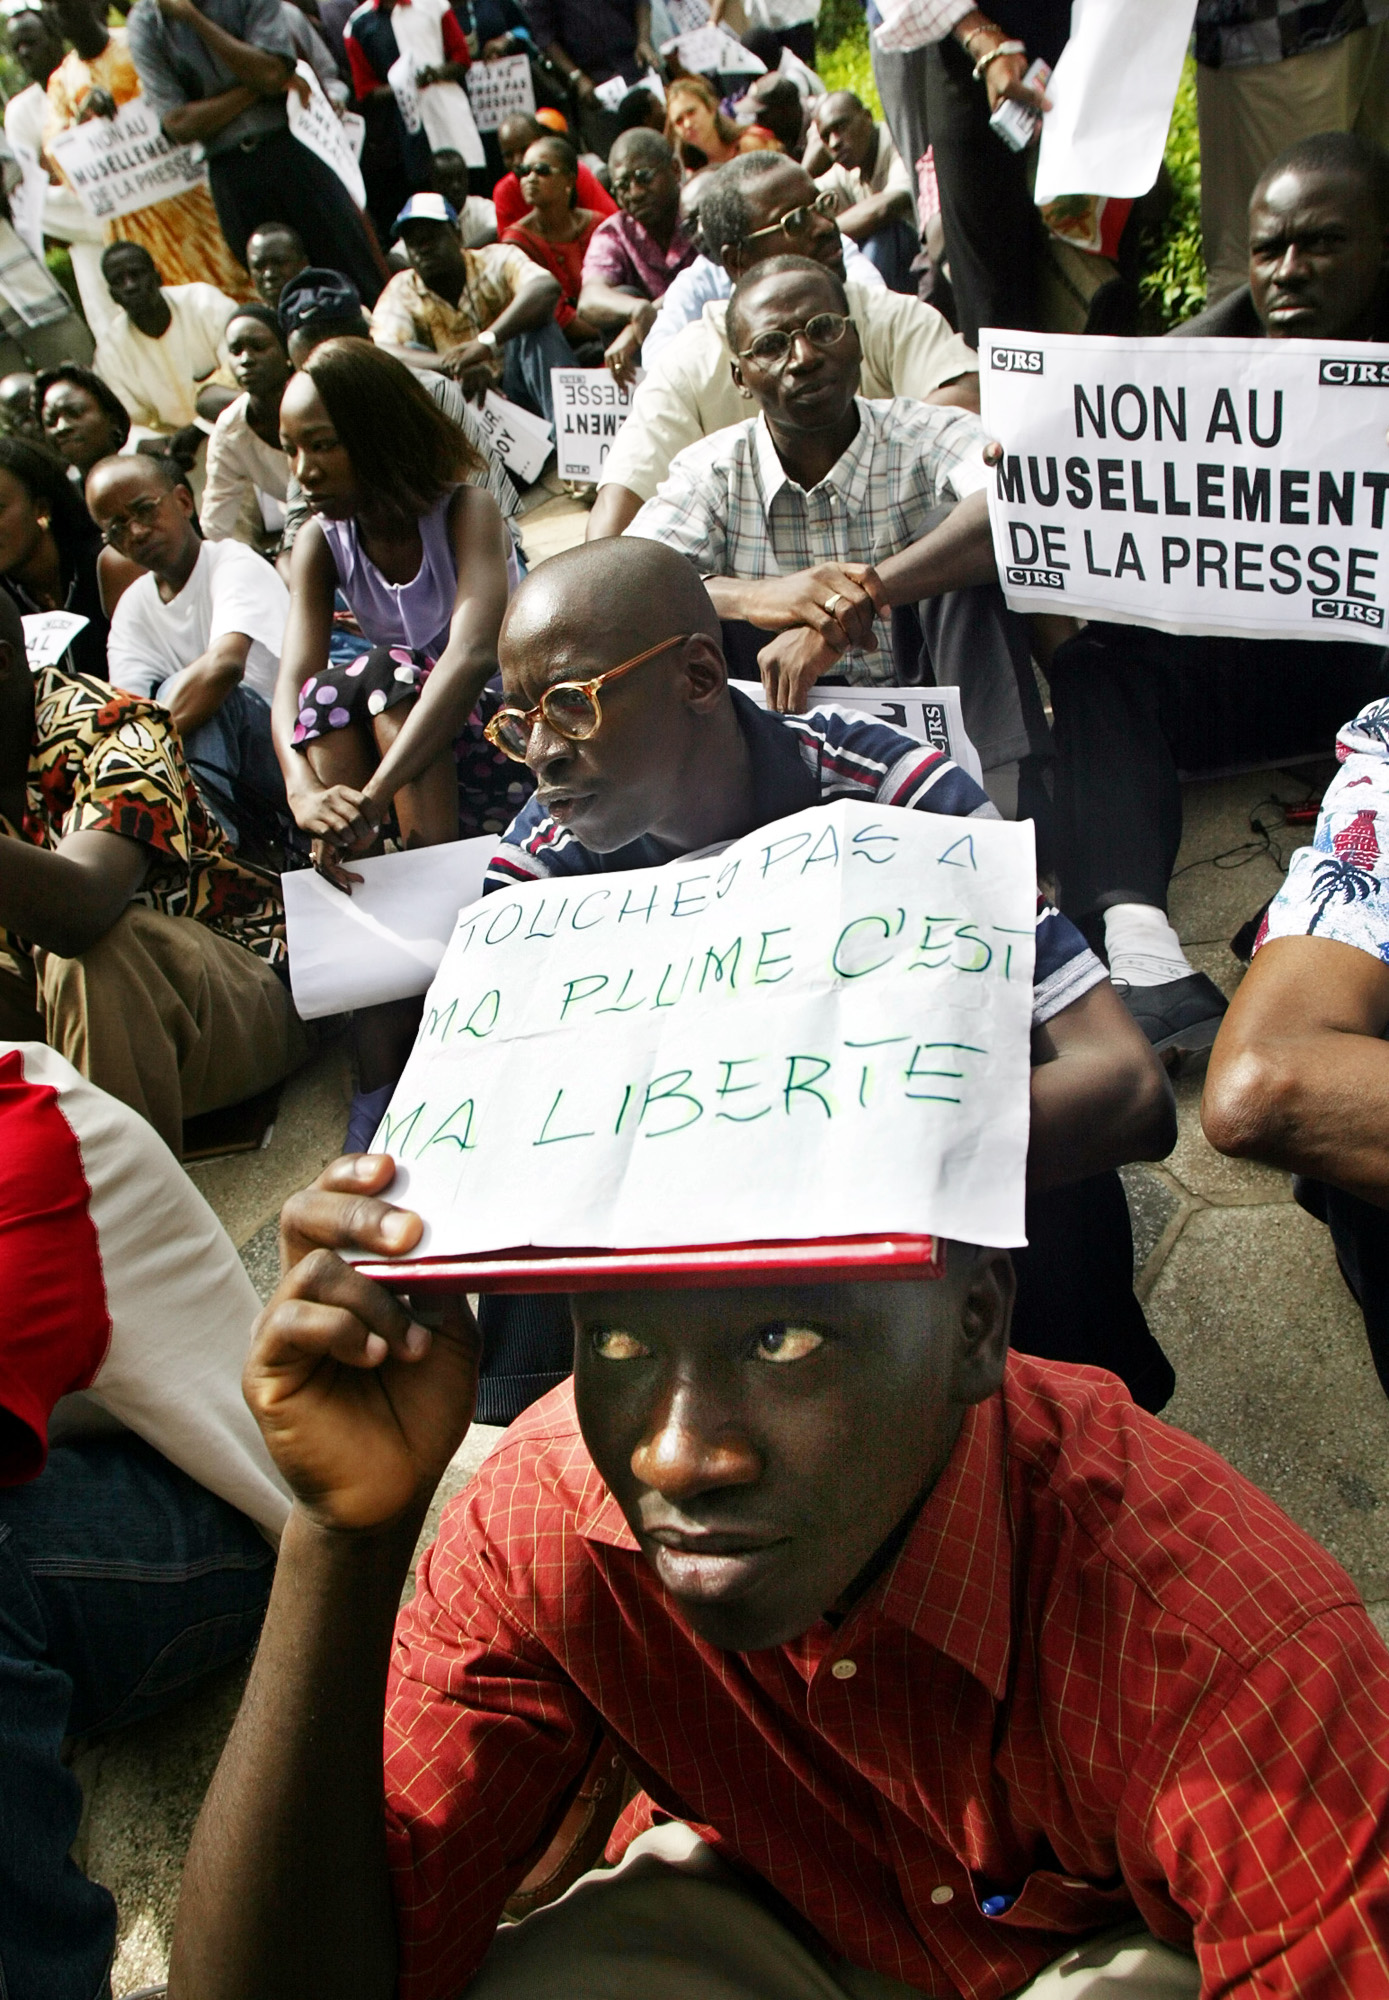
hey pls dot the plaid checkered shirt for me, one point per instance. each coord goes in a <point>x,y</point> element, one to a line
<point>1104,1675</point>
<point>1233,34</point>
<point>728,504</point>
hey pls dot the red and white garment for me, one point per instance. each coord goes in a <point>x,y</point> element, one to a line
<point>117,1280</point>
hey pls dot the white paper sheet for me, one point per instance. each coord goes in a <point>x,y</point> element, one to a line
<point>1112,93</point>
<point>500,90</point>
<point>442,109</point>
<point>931,714</point>
<point>1195,485</point>
<point>48,634</point>
<point>822,1029</point>
<point>709,51</point>
<point>385,940</point>
<point>590,410</point>
<point>520,439</point>
<point>317,126</point>
<point>119,164</point>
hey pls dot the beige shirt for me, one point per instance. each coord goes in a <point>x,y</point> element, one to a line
<point>158,380</point>
<point>239,465</point>
<point>408,314</point>
<point>851,186</point>
<point>908,350</point>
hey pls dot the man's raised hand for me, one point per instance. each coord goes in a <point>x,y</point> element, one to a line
<point>361,1406</point>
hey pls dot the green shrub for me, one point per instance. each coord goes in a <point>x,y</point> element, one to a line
<point>841,52</point>
<point>1173,281</point>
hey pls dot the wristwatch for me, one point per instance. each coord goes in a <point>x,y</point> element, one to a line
<point>487,338</point>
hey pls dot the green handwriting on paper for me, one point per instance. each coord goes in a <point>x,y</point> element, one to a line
<point>890,938</point>
<point>856,1076</point>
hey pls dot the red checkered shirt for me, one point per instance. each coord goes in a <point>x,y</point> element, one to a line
<point>1104,1673</point>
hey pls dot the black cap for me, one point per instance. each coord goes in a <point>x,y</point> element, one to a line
<point>318,295</point>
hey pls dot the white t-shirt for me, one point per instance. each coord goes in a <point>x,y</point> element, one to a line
<point>232,589</point>
<point>123,1295</point>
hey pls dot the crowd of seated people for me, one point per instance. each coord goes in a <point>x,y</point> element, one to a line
<point>268,480</point>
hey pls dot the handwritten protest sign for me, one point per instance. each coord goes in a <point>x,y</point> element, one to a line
<point>590,410</point>
<point>500,90</point>
<point>116,165</point>
<point>317,126</point>
<point>821,1030</point>
<point>1202,486</point>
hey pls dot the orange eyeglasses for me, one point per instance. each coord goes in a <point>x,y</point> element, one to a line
<point>571,708</point>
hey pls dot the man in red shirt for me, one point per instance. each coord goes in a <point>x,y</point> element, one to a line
<point>954,1673</point>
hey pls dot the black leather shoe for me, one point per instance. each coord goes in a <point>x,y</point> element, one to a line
<point>1182,1016</point>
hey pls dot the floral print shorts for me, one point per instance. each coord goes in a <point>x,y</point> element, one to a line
<point>491,788</point>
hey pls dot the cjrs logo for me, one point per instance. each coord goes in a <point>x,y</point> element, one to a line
<point>1017,360</point>
<point>1349,612</point>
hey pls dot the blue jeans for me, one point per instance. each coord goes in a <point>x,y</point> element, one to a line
<point>234,765</point>
<point>122,1582</point>
<point>529,358</point>
<point>892,250</point>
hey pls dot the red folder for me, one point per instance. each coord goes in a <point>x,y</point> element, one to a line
<point>709,1266</point>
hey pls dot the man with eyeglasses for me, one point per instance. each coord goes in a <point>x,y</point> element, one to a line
<point>618,701</point>
<point>762,206</point>
<point>633,256</point>
<point>812,520</point>
<point>132,940</point>
<point>200,633</point>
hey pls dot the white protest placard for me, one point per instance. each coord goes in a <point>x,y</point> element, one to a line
<point>1112,93</point>
<point>522,441</point>
<point>1203,486</point>
<point>930,714</point>
<point>686,16</point>
<point>611,93</point>
<point>441,110</point>
<point>500,90</point>
<point>385,940</point>
<point>590,410</point>
<point>317,126</point>
<point>116,165</point>
<point>821,1030</point>
<point>710,51</point>
<point>48,634</point>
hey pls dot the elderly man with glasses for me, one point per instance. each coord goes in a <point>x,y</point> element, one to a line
<point>759,206</point>
<point>810,522</point>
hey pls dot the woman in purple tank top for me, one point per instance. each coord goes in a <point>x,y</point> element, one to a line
<point>422,560</point>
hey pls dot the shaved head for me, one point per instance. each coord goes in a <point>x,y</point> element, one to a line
<point>150,471</point>
<point>667,760</point>
<point>642,147</point>
<point>610,598</point>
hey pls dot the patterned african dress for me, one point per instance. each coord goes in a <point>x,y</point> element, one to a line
<point>182,234</point>
<point>104,761</point>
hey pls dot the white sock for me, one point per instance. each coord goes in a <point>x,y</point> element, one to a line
<point>1143,948</point>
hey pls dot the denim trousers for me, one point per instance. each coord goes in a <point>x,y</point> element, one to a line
<point>122,1582</point>
<point>232,758</point>
<point>529,357</point>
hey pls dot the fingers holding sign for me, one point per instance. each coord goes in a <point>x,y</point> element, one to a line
<point>361,1404</point>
